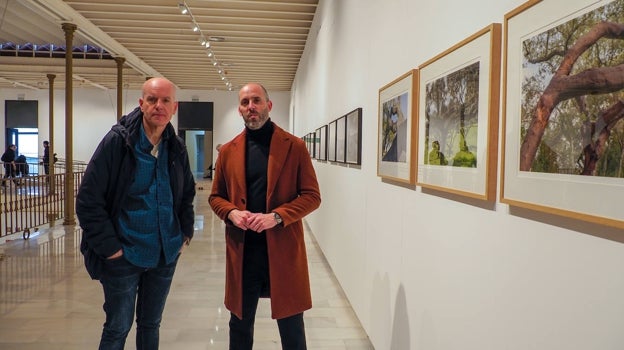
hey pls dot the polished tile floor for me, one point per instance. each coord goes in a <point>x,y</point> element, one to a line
<point>48,302</point>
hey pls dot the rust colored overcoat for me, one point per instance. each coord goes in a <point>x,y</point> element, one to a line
<point>292,192</point>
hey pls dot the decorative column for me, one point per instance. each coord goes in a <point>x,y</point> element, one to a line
<point>120,61</point>
<point>69,29</point>
<point>51,179</point>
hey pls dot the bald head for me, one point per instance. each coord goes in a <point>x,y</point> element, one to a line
<point>254,105</point>
<point>158,103</point>
<point>158,83</point>
<point>254,86</point>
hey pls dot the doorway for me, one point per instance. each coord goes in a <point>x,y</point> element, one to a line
<point>199,144</point>
<point>27,142</point>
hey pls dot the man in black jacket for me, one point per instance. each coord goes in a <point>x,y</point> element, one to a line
<point>8,158</point>
<point>135,206</point>
<point>46,157</point>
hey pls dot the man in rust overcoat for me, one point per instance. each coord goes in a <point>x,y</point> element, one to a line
<point>263,186</point>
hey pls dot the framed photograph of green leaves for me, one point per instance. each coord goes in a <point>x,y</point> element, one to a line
<point>458,113</point>
<point>563,121</point>
<point>396,147</point>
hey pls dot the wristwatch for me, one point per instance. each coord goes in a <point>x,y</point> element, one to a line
<point>278,218</point>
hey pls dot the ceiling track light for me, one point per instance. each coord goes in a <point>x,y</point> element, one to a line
<point>204,41</point>
<point>183,8</point>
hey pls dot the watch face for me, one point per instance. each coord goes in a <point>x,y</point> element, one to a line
<point>277,218</point>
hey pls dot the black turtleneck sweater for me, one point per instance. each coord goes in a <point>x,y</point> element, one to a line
<point>256,165</point>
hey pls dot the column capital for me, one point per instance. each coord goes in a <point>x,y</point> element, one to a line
<point>69,27</point>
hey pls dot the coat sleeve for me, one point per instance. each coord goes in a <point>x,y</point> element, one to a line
<point>220,199</point>
<point>307,196</point>
<point>92,201</point>
<point>186,212</point>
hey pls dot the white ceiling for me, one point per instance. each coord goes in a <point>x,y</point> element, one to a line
<point>264,41</point>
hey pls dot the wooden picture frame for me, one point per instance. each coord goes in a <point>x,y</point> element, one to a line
<point>458,113</point>
<point>562,113</point>
<point>396,130</point>
<point>354,137</point>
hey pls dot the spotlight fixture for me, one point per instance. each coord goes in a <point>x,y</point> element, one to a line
<point>204,40</point>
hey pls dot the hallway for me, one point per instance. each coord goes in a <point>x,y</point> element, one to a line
<point>47,300</point>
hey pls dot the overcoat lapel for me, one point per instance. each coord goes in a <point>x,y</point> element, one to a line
<point>279,149</point>
<point>239,160</point>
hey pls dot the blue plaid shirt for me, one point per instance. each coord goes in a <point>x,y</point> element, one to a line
<point>147,214</point>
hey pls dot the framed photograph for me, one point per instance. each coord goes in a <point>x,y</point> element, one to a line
<point>458,113</point>
<point>321,135</point>
<point>331,142</point>
<point>396,129</point>
<point>341,138</point>
<point>354,137</point>
<point>315,149</point>
<point>310,143</point>
<point>305,139</point>
<point>563,121</point>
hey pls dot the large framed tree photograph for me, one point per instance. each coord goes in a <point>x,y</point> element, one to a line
<point>458,113</point>
<point>396,147</point>
<point>563,122</point>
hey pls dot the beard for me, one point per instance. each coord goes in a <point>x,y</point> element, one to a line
<point>256,124</point>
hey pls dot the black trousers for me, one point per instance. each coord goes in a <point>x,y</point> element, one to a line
<point>9,171</point>
<point>255,285</point>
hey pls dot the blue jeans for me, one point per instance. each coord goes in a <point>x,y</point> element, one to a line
<point>124,284</point>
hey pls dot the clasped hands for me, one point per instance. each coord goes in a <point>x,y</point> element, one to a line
<point>247,220</point>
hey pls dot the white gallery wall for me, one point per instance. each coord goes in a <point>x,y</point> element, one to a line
<point>95,111</point>
<point>428,270</point>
